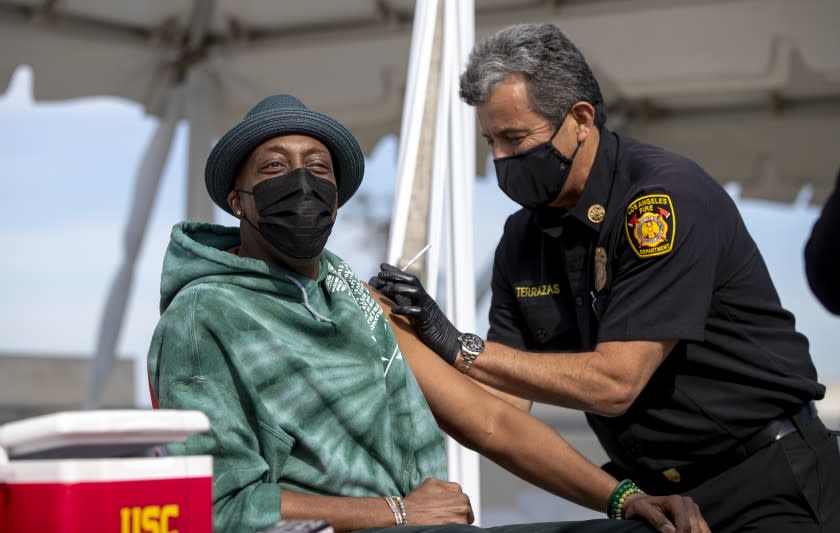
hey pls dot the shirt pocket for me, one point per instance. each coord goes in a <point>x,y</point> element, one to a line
<point>551,322</point>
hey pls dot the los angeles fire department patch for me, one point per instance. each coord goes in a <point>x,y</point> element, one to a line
<point>651,225</point>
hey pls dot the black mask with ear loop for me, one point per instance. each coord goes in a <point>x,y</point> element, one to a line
<point>535,177</point>
<point>295,212</point>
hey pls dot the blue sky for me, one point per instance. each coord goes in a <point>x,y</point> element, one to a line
<point>68,172</point>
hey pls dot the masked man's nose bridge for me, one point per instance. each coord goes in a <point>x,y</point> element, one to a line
<point>305,184</point>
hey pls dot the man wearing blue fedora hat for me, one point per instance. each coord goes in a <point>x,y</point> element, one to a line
<point>314,412</point>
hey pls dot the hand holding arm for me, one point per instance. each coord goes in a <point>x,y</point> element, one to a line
<point>432,327</point>
<point>413,302</point>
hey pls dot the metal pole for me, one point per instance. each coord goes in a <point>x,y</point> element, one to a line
<point>145,190</point>
<point>201,117</point>
<point>464,463</point>
<point>410,212</point>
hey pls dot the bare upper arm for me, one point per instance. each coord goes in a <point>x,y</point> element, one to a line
<point>463,409</point>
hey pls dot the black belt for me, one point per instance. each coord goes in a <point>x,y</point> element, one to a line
<point>780,428</point>
<point>687,476</point>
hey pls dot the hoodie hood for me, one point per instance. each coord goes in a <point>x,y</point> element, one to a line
<point>200,252</point>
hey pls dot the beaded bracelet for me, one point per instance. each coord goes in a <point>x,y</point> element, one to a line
<point>403,514</point>
<point>398,508</point>
<point>615,505</point>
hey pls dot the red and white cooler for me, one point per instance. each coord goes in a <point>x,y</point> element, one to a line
<point>86,472</point>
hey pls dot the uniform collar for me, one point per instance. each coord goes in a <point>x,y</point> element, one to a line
<point>596,191</point>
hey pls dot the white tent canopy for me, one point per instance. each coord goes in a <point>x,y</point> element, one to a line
<point>751,88</point>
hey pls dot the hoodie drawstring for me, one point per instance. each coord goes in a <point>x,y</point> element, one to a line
<point>315,314</point>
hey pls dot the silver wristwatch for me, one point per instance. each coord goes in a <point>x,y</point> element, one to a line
<point>471,347</point>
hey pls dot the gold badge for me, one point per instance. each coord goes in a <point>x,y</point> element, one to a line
<point>651,225</point>
<point>600,268</point>
<point>672,475</point>
<point>596,213</point>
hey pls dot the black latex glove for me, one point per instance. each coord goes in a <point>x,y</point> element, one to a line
<point>377,283</point>
<point>432,326</point>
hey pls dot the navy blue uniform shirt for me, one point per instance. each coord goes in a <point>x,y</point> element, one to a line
<point>655,249</point>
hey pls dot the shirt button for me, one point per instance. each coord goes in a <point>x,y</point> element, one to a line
<point>579,300</point>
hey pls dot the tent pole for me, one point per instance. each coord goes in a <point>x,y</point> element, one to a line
<point>146,184</point>
<point>201,117</point>
<point>459,129</point>
<point>415,150</point>
<point>436,157</point>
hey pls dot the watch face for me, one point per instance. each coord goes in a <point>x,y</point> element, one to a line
<point>471,343</point>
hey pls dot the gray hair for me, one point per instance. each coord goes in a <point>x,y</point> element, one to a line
<point>557,76</point>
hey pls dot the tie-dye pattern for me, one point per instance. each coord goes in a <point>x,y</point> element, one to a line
<point>322,406</point>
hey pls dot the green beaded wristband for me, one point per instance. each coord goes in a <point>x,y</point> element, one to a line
<point>615,504</point>
<point>614,495</point>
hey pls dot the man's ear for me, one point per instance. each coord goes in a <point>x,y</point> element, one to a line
<point>583,114</point>
<point>234,201</point>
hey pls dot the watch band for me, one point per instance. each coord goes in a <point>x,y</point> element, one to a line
<point>464,360</point>
<point>471,347</point>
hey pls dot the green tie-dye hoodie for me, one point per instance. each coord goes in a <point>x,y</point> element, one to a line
<point>303,381</point>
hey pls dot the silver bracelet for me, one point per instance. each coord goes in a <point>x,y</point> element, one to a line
<point>398,516</point>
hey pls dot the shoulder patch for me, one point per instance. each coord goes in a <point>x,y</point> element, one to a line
<point>651,225</point>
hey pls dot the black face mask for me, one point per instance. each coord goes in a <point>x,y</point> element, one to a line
<point>535,177</point>
<point>295,212</point>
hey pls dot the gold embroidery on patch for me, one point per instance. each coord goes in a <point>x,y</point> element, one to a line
<point>537,290</point>
<point>600,268</point>
<point>596,213</point>
<point>651,225</point>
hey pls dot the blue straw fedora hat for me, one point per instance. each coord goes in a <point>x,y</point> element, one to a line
<point>276,115</point>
